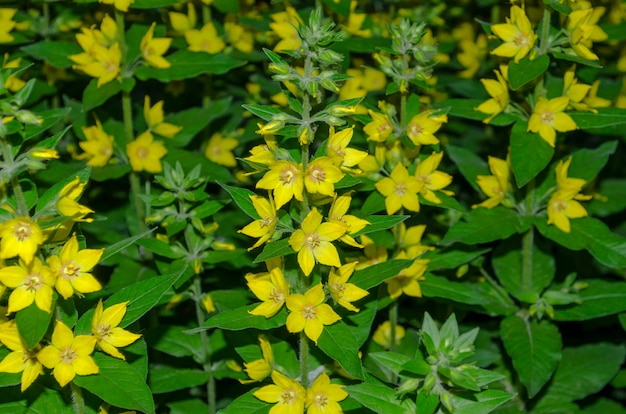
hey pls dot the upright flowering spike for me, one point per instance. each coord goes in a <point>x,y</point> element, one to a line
<point>285,178</point>
<point>433,180</point>
<point>288,395</point>
<point>422,127</point>
<point>323,397</point>
<point>72,267</point>
<point>345,293</point>
<point>67,201</point>
<point>548,117</point>
<point>321,175</point>
<point>145,154</point>
<point>400,190</point>
<point>517,34</point>
<point>98,147</point>
<point>154,117</point>
<point>205,40</point>
<point>379,129</point>
<point>264,227</point>
<point>271,288</point>
<point>260,369</point>
<point>22,359</point>
<point>313,242</point>
<point>69,356</point>
<point>499,92</point>
<point>104,326</point>
<point>153,49</point>
<point>494,186</point>
<point>31,282</point>
<point>219,149</point>
<point>310,313</point>
<point>20,237</point>
<point>407,281</point>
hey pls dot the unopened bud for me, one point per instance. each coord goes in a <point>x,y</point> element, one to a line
<point>271,127</point>
<point>44,153</point>
<point>330,57</point>
<point>446,401</point>
<point>334,121</point>
<point>304,135</point>
<point>429,382</point>
<point>330,85</point>
<point>342,110</point>
<point>281,68</point>
<point>27,117</point>
<point>312,89</point>
<point>408,386</point>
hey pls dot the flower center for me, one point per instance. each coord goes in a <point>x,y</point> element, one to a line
<point>288,397</point>
<point>415,129</point>
<point>287,176</point>
<point>32,283</point>
<point>70,270</point>
<point>383,127</point>
<point>67,355</point>
<point>312,240</point>
<point>521,40</point>
<point>317,174</point>
<point>266,221</point>
<point>22,231</point>
<point>277,296</point>
<point>143,152</point>
<point>400,189</point>
<point>110,66</point>
<point>321,400</point>
<point>547,117</point>
<point>308,312</point>
<point>103,331</point>
<point>559,205</point>
<point>424,178</point>
<point>339,287</point>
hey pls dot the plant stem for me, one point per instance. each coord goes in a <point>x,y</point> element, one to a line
<point>78,402</point>
<point>545,32</point>
<point>304,360</point>
<point>393,321</point>
<point>306,122</point>
<point>527,258</point>
<point>206,344</point>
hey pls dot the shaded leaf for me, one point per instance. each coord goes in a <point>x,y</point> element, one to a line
<point>240,318</point>
<point>186,64</point>
<point>527,70</point>
<point>530,154</point>
<point>380,399</point>
<point>600,298</point>
<point>338,342</point>
<point>478,226</point>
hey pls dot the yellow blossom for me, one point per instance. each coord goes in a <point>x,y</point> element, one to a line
<point>323,397</point>
<point>105,63</point>
<point>308,312</point>
<point>260,369</point>
<point>499,92</point>
<point>288,395</point>
<point>563,181</point>
<point>239,37</point>
<point>152,50</point>
<point>593,100</point>
<point>22,359</point>
<point>583,31</point>
<point>379,129</point>
<point>400,190</point>
<point>263,154</point>
<point>373,254</point>
<point>184,22</point>
<point>321,175</point>
<point>355,22</point>
<point>472,49</point>
<point>494,186</point>
<point>263,228</point>
<point>345,293</point>
<point>44,153</point>
<point>145,154</point>
<point>207,302</point>
<point>69,356</point>
<point>285,178</point>
<point>98,147</point>
<point>548,117</point>
<point>354,224</point>
<point>339,152</point>
<point>72,267</point>
<point>410,240</point>
<point>382,335</point>
<point>121,5</point>
<point>563,206</point>
<point>422,127</point>
<point>220,150</point>
<point>284,25</point>
<point>433,180</point>
<point>271,288</point>
<point>67,201</point>
<point>575,91</point>
<point>31,282</point>
<point>204,40</point>
<point>154,117</point>
<point>372,164</point>
<point>104,327</point>
<point>20,237</point>
<point>313,242</point>
<point>12,83</point>
<point>407,281</point>
<point>7,24</point>
<point>517,34</point>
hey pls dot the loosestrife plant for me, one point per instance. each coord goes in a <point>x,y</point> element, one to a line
<point>312,207</point>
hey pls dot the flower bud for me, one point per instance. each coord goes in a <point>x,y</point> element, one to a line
<point>27,117</point>
<point>304,135</point>
<point>330,57</point>
<point>446,401</point>
<point>330,85</point>
<point>281,68</point>
<point>342,110</point>
<point>429,382</point>
<point>408,386</point>
<point>271,127</point>
<point>44,153</point>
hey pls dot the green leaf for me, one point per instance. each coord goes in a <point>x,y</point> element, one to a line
<point>50,196</point>
<point>275,249</point>
<point>94,96</point>
<point>508,265</point>
<point>172,340</point>
<point>56,53</point>
<point>527,70</point>
<point>577,59</point>
<point>378,223</point>
<point>264,112</point>
<point>246,403</point>
<point>194,120</point>
<point>115,248</point>
<point>380,399</point>
<point>440,259</point>
<point>33,323</point>
<point>481,403</point>
<point>390,360</point>
<point>338,342</point>
<point>600,298</point>
<point>583,371</point>
<point>604,406</point>
<point>534,347</point>
<point>241,197</point>
<point>374,275</point>
<point>479,226</point>
<point>159,247</point>
<point>50,118</point>
<point>186,64</point>
<point>190,406</point>
<point>615,192</point>
<point>608,121</point>
<point>240,318</point>
<point>464,108</point>
<point>164,379</point>
<point>209,170</point>
<point>152,4</point>
<point>587,163</point>
<point>559,6</point>
<point>35,400</point>
<point>469,164</point>
<point>118,384</point>
<point>530,154</point>
<point>591,234</point>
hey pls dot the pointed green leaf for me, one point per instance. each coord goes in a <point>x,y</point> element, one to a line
<point>246,403</point>
<point>172,340</point>
<point>240,318</point>
<point>163,379</point>
<point>608,121</point>
<point>374,275</point>
<point>241,197</point>
<point>465,108</point>
<point>600,298</point>
<point>33,323</point>
<point>35,400</point>
<point>194,120</point>
<point>527,70</point>
<point>115,248</point>
<point>479,226</point>
<point>469,164</point>
<point>56,53</point>
<point>530,154</point>
<point>265,112</point>
<point>186,64</point>
<point>481,403</point>
<point>338,342</point>
<point>275,249</point>
<point>380,399</point>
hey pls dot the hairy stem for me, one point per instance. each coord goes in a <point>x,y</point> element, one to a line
<point>206,344</point>
<point>78,402</point>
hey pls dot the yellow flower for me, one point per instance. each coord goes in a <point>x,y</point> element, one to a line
<point>499,92</point>
<point>98,147</point>
<point>20,237</point>
<point>344,293</point>
<point>204,40</point>
<point>373,254</point>
<point>382,335</point>
<point>563,181</point>
<point>207,302</point>
<point>109,336</point>
<point>400,190</point>
<point>184,22</point>
<point>72,267</point>
<point>433,180</point>
<point>263,154</point>
<point>422,127</point>
<point>494,186</point>
<point>68,356</point>
<point>220,150</point>
<point>271,288</point>
<point>239,37</point>
<point>154,117</point>
<point>7,24</point>
<point>288,395</point>
<point>517,34</point>
<point>548,117</point>
<point>105,63</point>
<point>321,175</point>
<point>407,280</point>
<point>355,22</point>
<point>310,313</point>
<point>593,100</point>
<point>323,397</point>
<point>153,49</point>
<point>121,5</point>
<point>313,242</point>
<point>372,164</point>
<point>410,240</point>
<point>12,83</point>
<point>67,204</point>
<point>262,228</point>
<point>563,206</point>
<point>285,178</point>
<point>584,30</point>
<point>44,153</point>
<point>145,154</point>
<point>379,129</point>
<point>22,359</point>
<point>284,25</point>
<point>337,212</point>
<point>260,369</point>
<point>472,49</point>
<point>31,282</point>
<point>575,91</point>
<point>337,148</point>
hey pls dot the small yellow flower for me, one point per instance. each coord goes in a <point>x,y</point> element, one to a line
<point>407,281</point>
<point>239,37</point>
<point>7,24</point>
<point>433,180</point>
<point>593,100</point>
<point>184,22</point>
<point>575,91</point>
<point>321,175</point>
<point>548,117</point>
<point>285,26</point>
<point>154,117</point>
<point>263,154</point>
<point>20,237</point>
<point>72,267</point>
<point>563,206</point>
<point>499,92</point>
<point>345,293</point>
<point>121,5</point>
<point>271,288</point>
<point>152,50</point>
<point>67,204</point>
<point>145,154</point>
<point>355,22</point>
<point>422,127</point>
<point>288,395</point>
<point>220,150</point>
<point>410,240</point>
<point>400,190</point>
<point>22,359</point>
<point>207,302</point>
<point>339,152</point>
<point>563,181</point>
<point>44,153</point>
<point>373,254</point>
<point>98,147</point>
<point>104,326</point>
<point>69,356</point>
<point>31,282</point>
<point>105,63</point>
<point>337,212</point>
<point>517,34</point>
<point>382,335</point>
<point>379,129</point>
<point>308,312</point>
<point>323,397</point>
<point>583,31</point>
<point>313,242</point>
<point>204,40</point>
<point>260,369</point>
<point>262,228</point>
<point>494,186</point>
<point>285,178</point>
